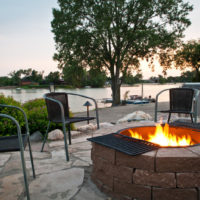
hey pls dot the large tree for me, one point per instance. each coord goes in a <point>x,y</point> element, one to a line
<point>116,34</point>
<point>188,57</point>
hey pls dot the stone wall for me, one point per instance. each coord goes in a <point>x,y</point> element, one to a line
<point>164,174</point>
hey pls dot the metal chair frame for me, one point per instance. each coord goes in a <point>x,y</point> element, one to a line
<point>21,144</point>
<point>67,122</point>
<point>193,114</point>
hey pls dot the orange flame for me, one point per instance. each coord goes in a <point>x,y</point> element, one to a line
<point>163,137</point>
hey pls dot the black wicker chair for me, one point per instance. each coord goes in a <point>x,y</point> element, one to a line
<point>181,100</point>
<point>18,143</point>
<point>58,112</point>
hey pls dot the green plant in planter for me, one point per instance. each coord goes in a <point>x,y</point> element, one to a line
<point>7,127</point>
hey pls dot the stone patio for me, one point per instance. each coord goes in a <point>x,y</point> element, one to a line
<point>55,177</point>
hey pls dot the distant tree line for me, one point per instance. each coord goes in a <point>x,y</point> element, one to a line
<point>72,77</point>
<point>188,76</point>
<point>82,78</point>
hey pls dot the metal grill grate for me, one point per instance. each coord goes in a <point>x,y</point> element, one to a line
<point>130,146</point>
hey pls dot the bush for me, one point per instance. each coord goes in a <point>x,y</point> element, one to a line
<point>7,127</point>
<point>36,113</point>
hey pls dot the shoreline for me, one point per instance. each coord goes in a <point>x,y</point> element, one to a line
<point>106,86</point>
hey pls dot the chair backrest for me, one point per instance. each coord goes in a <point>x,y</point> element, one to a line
<point>181,99</point>
<point>53,108</point>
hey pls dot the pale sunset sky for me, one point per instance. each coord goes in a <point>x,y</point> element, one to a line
<point>26,40</point>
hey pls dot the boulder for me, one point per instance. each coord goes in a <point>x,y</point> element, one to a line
<point>55,135</point>
<point>36,137</point>
<point>135,116</point>
<point>105,125</point>
<point>88,127</point>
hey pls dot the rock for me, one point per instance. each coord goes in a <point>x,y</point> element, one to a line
<point>73,133</point>
<point>105,125</point>
<point>55,135</point>
<point>135,116</point>
<point>92,127</point>
<point>88,127</point>
<point>36,137</point>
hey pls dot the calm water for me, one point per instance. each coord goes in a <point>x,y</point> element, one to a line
<point>76,103</point>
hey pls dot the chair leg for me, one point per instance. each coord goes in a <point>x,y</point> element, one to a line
<point>23,160</point>
<point>169,118</point>
<point>65,142</point>
<point>191,118</point>
<point>31,157</point>
<point>69,134</point>
<point>24,171</point>
<point>45,136</point>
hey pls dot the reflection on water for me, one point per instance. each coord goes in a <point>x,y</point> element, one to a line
<point>76,103</point>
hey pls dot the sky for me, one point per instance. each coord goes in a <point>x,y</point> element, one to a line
<point>26,40</point>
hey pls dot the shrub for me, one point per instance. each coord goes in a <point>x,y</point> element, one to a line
<point>36,113</point>
<point>7,127</point>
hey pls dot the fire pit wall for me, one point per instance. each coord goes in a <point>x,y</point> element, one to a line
<point>164,174</point>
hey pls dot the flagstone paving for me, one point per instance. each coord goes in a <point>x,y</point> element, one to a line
<point>56,178</point>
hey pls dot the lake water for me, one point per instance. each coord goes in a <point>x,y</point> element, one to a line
<point>76,103</point>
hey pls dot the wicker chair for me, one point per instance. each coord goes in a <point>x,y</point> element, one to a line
<point>58,112</point>
<point>18,143</point>
<point>181,100</point>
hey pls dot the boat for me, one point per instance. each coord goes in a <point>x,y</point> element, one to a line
<point>128,101</point>
<point>106,100</point>
<point>139,98</point>
<point>135,97</point>
<point>137,101</point>
<point>87,86</point>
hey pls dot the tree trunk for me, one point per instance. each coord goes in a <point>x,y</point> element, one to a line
<point>115,91</point>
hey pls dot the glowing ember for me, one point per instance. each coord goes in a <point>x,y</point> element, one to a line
<point>163,137</point>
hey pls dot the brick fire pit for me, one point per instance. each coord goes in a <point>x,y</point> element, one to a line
<point>163,174</point>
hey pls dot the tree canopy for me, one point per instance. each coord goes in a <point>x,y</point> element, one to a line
<point>188,56</point>
<point>184,57</point>
<point>53,77</point>
<point>116,34</point>
<point>25,74</point>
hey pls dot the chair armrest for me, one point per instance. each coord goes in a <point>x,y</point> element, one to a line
<point>24,114</point>
<point>96,106</point>
<point>156,103</point>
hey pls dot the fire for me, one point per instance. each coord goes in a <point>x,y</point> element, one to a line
<point>163,137</point>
